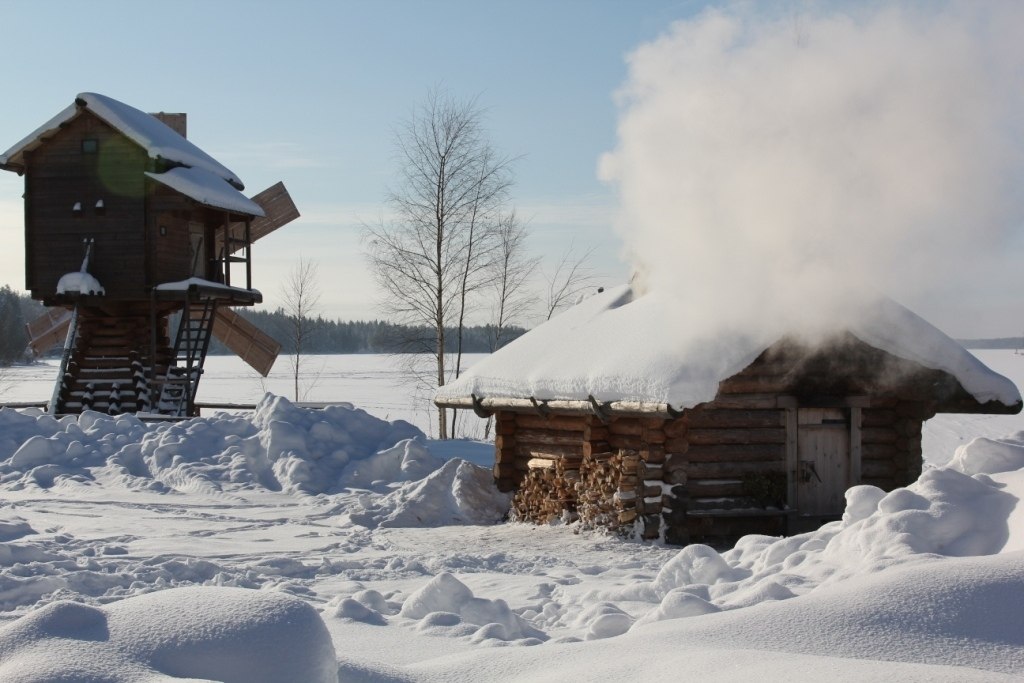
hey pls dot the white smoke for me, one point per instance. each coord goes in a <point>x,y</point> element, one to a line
<point>773,168</point>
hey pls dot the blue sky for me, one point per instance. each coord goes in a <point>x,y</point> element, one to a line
<point>310,93</point>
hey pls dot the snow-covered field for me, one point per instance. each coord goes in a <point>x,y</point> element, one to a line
<point>302,545</point>
<point>377,383</point>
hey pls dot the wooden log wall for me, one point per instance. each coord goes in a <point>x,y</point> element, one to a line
<point>722,464</point>
<point>891,442</point>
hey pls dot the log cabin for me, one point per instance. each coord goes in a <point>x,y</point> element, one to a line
<point>610,415</point>
<point>128,226</point>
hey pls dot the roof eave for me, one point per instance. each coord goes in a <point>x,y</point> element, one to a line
<point>590,406</point>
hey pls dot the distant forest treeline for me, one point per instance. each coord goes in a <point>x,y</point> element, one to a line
<point>322,335</point>
<point>329,336</point>
<point>1000,343</point>
<point>15,310</point>
<point>367,336</point>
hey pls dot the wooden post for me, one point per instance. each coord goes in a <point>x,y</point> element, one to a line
<point>792,455</point>
<point>856,453</point>
<point>248,254</point>
<point>227,249</point>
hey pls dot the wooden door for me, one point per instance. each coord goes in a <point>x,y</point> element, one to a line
<point>823,460</point>
<point>197,248</point>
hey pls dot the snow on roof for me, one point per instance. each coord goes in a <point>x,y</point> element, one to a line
<point>33,139</point>
<point>617,346</point>
<point>207,189</point>
<point>159,140</point>
<point>208,285</point>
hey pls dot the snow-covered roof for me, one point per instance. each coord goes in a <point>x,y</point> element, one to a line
<point>207,189</point>
<point>208,286</point>
<point>195,173</point>
<point>620,347</point>
<point>153,135</point>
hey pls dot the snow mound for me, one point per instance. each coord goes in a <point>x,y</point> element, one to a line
<point>946,513</point>
<point>954,621</point>
<point>989,456</point>
<point>408,460</point>
<point>215,634</point>
<point>13,527</point>
<point>447,602</point>
<point>280,447</point>
<point>963,611</point>
<point>457,493</point>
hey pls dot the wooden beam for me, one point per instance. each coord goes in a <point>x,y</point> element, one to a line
<point>856,453</point>
<point>792,455</point>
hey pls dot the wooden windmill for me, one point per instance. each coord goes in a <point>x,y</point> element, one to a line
<point>127,224</point>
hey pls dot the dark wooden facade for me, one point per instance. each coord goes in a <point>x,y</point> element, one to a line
<point>128,200</point>
<point>773,453</point>
<point>87,181</point>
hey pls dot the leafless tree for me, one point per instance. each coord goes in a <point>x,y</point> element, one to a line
<point>431,257</point>
<point>572,276</point>
<point>511,270</point>
<point>483,241</point>
<point>301,295</point>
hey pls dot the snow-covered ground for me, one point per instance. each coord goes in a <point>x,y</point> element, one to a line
<point>371,553</point>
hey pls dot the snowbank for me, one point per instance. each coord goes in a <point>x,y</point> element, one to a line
<point>457,493</point>
<point>215,634</point>
<point>944,514</point>
<point>280,447</point>
<point>446,603</point>
<point>952,621</point>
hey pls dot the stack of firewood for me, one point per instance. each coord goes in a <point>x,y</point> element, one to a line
<point>547,492</point>
<point>607,490</point>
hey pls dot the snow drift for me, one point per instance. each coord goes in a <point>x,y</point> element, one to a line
<point>280,447</point>
<point>213,634</point>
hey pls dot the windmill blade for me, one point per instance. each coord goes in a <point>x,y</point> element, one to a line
<point>250,343</point>
<point>48,330</point>
<point>279,209</point>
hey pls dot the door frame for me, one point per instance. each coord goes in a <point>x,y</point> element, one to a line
<point>792,404</point>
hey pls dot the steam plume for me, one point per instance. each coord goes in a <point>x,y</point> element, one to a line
<point>773,168</point>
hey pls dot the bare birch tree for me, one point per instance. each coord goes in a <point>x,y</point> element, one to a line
<point>572,276</point>
<point>483,241</point>
<point>301,296</point>
<point>431,256</point>
<point>511,270</point>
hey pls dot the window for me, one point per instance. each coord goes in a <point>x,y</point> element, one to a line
<point>90,146</point>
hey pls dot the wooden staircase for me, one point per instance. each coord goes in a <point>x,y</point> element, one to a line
<point>107,367</point>
<point>181,381</point>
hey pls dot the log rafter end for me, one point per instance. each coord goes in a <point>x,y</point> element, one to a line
<point>478,407</point>
<point>599,409</point>
<point>541,407</point>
